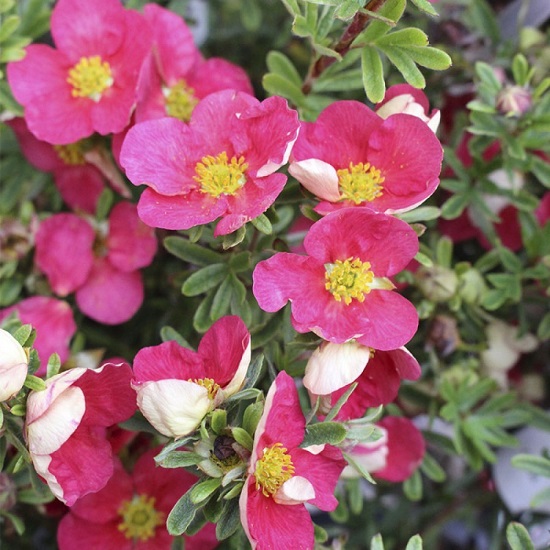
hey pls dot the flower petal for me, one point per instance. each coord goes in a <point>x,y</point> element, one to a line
<point>317,176</point>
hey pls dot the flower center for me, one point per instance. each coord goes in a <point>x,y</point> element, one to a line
<point>180,100</point>
<point>349,279</point>
<point>71,154</point>
<point>207,383</point>
<point>139,518</point>
<point>273,469</point>
<point>360,182</point>
<point>90,77</point>
<point>220,176</point>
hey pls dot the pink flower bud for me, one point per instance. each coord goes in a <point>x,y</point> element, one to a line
<point>514,100</point>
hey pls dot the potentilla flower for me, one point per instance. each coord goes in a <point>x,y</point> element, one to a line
<point>54,323</point>
<point>393,457</point>
<point>352,157</point>
<point>130,511</point>
<point>101,264</point>
<point>175,77</point>
<point>283,476</point>
<point>341,290</point>
<point>332,368</point>
<point>79,183</point>
<point>176,387</point>
<point>66,427</point>
<point>404,98</point>
<point>14,365</point>
<point>221,164</point>
<point>88,83</point>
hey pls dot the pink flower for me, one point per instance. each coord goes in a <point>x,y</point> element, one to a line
<point>101,265</point>
<point>283,476</point>
<point>353,157</point>
<point>404,98</point>
<point>130,511</point>
<point>341,289</point>
<point>88,83</point>
<point>334,367</point>
<point>176,387</point>
<point>54,323</point>
<point>66,423</point>
<point>14,365</point>
<point>80,183</point>
<point>220,165</point>
<point>175,77</point>
<point>395,456</point>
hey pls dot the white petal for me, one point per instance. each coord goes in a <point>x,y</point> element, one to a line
<point>318,177</point>
<point>174,407</point>
<point>333,366</point>
<point>296,490</point>
<point>238,379</point>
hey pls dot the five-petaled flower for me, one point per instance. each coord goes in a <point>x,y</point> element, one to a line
<point>221,164</point>
<point>88,82</point>
<point>283,476</point>
<point>176,387</point>
<point>352,157</point>
<point>341,289</point>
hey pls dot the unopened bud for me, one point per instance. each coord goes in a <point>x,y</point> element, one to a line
<point>472,286</point>
<point>8,492</point>
<point>437,283</point>
<point>443,335</point>
<point>514,100</point>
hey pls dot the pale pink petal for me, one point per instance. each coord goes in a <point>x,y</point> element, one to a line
<point>13,365</point>
<point>318,177</point>
<point>174,407</point>
<point>296,490</point>
<point>110,296</point>
<point>64,251</point>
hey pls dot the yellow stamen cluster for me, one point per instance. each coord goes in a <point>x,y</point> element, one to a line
<point>360,182</point>
<point>273,469</point>
<point>139,518</point>
<point>71,154</point>
<point>180,101</point>
<point>349,279</point>
<point>207,383</point>
<point>220,176</point>
<point>90,77</point>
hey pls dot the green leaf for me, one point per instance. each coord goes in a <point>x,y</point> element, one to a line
<point>320,534</point>
<point>233,239</point>
<point>204,279</point>
<point>358,468</point>
<point>425,6</point>
<point>262,224</point>
<point>251,417</point>
<point>376,542</point>
<point>168,333</point>
<point>483,16</point>
<point>104,203</point>
<point>54,365</point>
<point>393,11</point>
<point>280,64</point>
<point>242,437</point>
<point>222,299</point>
<point>322,433</point>
<point>16,521</point>
<point>404,37</point>
<point>405,65</point>
<point>412,487</point>
<point>372,74</point>
<point>340,403</point>
<point>34,383</point>
<point>22,334</point>
<point>430,57</point>
<point>415,543</point>
<point>541,170</point>
<point>543,330</point>
<point>180,459</point>
<point>8,26</point>
<point>275,84</point>
<point>6,5</point>
<point>218,421</point>
<point>518,537</point>
<point>190,252</point>
<point>201,319</point>
<point>432,469</point>
<point>454,206</point>
<point>538,465</point>
<point>520,69</point>
<point>229,521</point>
<point>488,77</point>
<point>202,490</point>
<point>182,514</point>
<point>421,214</point>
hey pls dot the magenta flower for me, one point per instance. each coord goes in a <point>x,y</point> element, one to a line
<point>175,77</point>
<point>220,165</point>
<point>130,512</point>
<point>341,290</point>
<point>101,265</point>
<point>332,368</point>
<point>283,476</point>
<point>66,427</point>
<point>79,182</point>
<point>395,456</point>
<point>54,323</point>
<point>176,387</point>
<point>352,157</point>
<point>88,83</point>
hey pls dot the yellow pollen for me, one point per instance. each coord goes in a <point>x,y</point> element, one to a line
<point>273,469</point>
<point>90,77</point>
<point>180,101</point>
<point>139,518</point>
<point>220,176</point>
<point>360,182</point>
<point>207,383</point>
<point>71,154</point>
<point>349,279</point>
